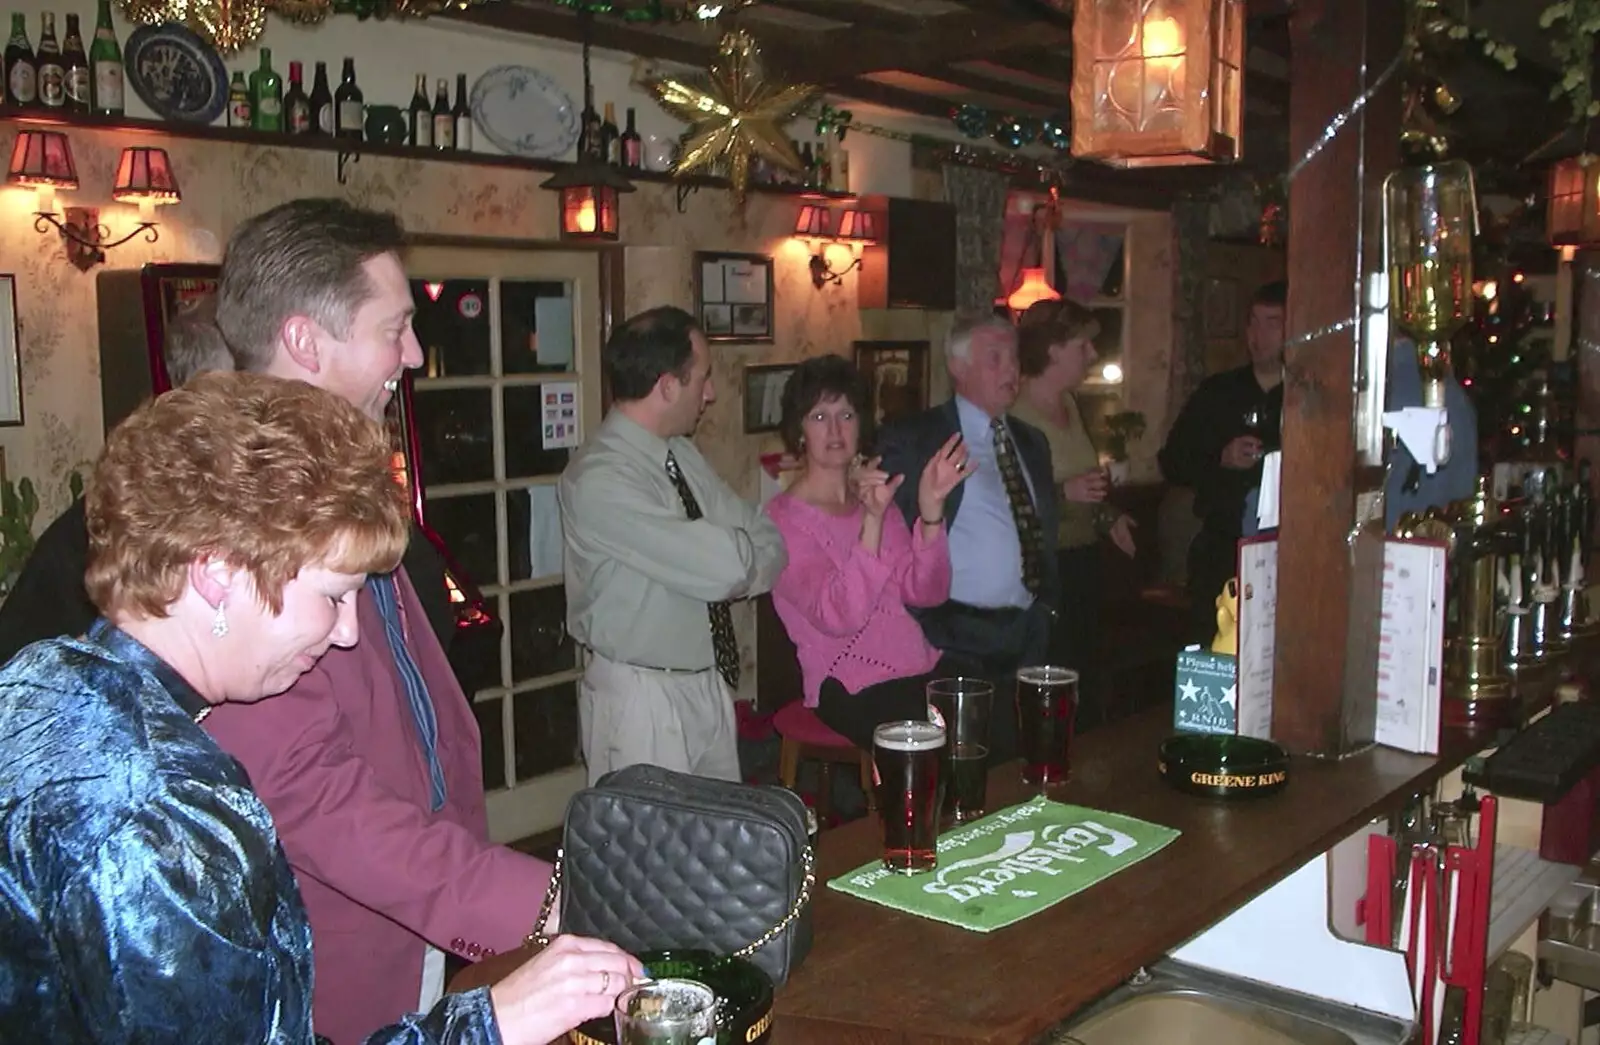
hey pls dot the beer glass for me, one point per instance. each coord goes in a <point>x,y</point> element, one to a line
<point>666,1012</point>
<point>905,770</point>
<point>962,706</point>
<point>1047,704</point>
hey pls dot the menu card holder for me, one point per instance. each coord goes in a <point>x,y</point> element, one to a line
<point>1411,645</point>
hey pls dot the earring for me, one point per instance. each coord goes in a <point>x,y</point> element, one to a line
<point>219,623</point>
<point>802,442</point>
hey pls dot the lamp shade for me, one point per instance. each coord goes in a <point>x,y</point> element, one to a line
<point>1158,83</point>
<point>1034,289</point>
<point>144,175</point>
<point>858,226</point>
<point>813,222</point>
<point>42,158</point>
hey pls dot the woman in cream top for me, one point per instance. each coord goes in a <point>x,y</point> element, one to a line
<point>1055,350</point>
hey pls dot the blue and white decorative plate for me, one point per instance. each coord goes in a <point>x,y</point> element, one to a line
<point>176,73</point>
<point>524,112</point>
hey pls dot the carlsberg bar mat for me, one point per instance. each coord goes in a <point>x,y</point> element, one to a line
<point>1012,864</point>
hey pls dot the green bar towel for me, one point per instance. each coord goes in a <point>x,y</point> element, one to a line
<point>1012,864</point>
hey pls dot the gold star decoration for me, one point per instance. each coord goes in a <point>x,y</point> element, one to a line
<point>733,111</point>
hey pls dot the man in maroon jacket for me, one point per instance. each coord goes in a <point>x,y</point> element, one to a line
<point>370,765</point>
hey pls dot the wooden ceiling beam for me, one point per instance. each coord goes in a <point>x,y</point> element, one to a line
<point>829,58</point>
<point>850,12</point>
<point>609,34</point>
<point>1026,99</point>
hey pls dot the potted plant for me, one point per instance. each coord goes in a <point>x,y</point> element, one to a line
<point>1120,430</point>
<point>19,503</point>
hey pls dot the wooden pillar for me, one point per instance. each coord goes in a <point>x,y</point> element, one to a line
<point>1330,551</point>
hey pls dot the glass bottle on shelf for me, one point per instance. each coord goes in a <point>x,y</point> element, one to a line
<point>589,135</point>
<point>239,114</point>
<point>420,115</point>
<point>462,115</point>
<point>105,65</point>
<point>321,102</point>
<point>444,121</point>
<point>349,106</point>
<point>266,95</point>
<point>76,62</point>
<point>610,146</point>
<point>22,72</point>
<point>52,73</point>
<point>808,166</point>
<point>296,106</point>
<point>632,146</point>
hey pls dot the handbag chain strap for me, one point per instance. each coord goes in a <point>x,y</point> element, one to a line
<point>808,880</point>
<point>809,861</point>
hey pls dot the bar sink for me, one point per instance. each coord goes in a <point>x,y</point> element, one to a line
<point>1569,933</point>
<point>1178,1004</point>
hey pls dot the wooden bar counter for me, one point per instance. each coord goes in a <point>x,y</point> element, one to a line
<point>876,976</point>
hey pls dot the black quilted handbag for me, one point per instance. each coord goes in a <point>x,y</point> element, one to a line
<point>656,860</point>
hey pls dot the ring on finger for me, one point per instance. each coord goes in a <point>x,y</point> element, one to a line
<point>605,982</point>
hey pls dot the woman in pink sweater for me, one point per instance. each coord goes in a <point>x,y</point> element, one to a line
<point>854,566</point>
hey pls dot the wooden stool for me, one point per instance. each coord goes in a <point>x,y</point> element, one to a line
<point>804,736</point>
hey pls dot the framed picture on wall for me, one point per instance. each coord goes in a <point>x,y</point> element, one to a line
<point>733,296</point>
<point>896,376</point>
<point>10,354</point>
<point>763,396</point>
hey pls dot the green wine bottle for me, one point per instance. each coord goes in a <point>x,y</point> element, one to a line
<point>266,95</point>
<point>105,64</point>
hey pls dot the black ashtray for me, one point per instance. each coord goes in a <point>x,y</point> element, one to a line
<point>744,996</point>
<point>1222,765</point>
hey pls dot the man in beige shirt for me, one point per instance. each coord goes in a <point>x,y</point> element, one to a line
<point>656,546</point>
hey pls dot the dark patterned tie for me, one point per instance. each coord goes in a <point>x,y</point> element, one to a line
<point>1029,533</point>
<point>723,645</point>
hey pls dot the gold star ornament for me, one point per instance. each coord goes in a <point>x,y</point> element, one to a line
<point>733,112</point>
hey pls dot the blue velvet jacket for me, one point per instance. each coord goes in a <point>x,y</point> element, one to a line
<point>143,894</point>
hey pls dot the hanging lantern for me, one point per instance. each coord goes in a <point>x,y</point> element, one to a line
<point>589,204</point>
<point>1158,82</point>
<point>1573,215</point>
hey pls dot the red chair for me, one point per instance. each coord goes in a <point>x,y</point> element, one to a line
<point>804,736</point>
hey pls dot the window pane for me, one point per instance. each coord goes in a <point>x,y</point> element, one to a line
<point>492,726</point>
<point>533,532</point>
<point>467,526</point>
<point>540,644</point>
<point>452,325</point>
<point>526,456</point>
<point>545,730</point>
<point>456,432</point>
<point>535,327</point>
<point>1109,343</point>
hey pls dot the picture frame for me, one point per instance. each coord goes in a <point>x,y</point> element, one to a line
<point>1221,308</point>
<point>733,296</point>
<point>10,354</point>
<point>763,396</point>
<point>896,377</point>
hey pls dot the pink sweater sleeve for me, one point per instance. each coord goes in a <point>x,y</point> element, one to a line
<point>836,598</point>
<point>925,579</point>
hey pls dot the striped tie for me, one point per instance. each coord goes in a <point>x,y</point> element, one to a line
<point>723,645</point>
<point>385,593</point>
<point>1029,534</point>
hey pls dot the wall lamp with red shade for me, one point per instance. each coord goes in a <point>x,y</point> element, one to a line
<point>42,161</point>
<point>857,229</point>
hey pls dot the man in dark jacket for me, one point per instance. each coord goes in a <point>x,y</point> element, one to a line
<point>1215,448</point>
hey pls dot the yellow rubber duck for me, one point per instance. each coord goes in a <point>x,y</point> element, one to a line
<point>1227,640</point>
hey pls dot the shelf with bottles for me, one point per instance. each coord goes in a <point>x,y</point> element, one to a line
<point>351,146</point>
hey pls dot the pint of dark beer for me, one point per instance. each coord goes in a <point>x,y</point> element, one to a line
<point>1047,704</point>
<point>962,707</point>
<point>906,760</point>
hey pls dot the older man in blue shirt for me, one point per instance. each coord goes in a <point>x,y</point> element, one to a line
<point>1002,521</point>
